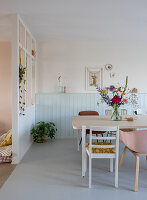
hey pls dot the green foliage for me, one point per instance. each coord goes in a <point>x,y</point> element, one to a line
<point>43,129</point>
<point>22,81</point>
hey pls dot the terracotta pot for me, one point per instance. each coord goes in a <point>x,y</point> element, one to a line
<point>44,140</point>
<point>33,53</point>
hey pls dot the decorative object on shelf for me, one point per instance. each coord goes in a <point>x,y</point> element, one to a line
<point>93,78</point>
<point>130,119</point>
<point>114,97</point>
<point>60,87</point>
<point>64,89</point>
<point>43,130</point>
<point>109,68</point>
<point>22,82</point>
<point>33,53</point>
<point>134,90</point>
<point>133,99</point>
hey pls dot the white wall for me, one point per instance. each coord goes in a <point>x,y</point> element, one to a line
<point>25,124</point>
<point>5,87</point>
<point>70,59</point>
<point>15,90</point>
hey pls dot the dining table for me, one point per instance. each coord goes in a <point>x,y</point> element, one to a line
<point>139,122</point>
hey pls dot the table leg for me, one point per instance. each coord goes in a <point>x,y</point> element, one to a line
<point>78,140</point>
<point>83,151</point>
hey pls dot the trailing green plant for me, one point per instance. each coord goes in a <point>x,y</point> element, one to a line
<point>22,90</point>
<point>43,130</point>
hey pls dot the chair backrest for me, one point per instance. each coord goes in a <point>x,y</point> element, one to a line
<point>140,111</point>
<point>88,112</point>
<point>135,140</point>
<point>108,112</point>
<point>124,111</point>
<point>115,137</point>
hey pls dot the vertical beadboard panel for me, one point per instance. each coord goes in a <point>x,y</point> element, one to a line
<point>59,108</point>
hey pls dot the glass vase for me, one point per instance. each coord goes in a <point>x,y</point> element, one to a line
<point>115,115</point>
<point>60,87</point>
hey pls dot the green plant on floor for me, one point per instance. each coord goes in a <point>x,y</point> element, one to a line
<point>42,130</point>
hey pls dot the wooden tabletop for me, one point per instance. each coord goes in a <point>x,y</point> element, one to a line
<point>78,121</point>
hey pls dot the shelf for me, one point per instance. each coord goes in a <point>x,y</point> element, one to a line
<point>33,45</point>
<point>21,46</point>
<point>33,82</point>
<point>28,42</point>
<point>22,57</point>
<point>26,46</point>
<point>21,34</point>
<point>27,52</point>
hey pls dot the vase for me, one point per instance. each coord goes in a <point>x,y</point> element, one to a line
<point>41,140</point>
<point>60,87</point>
<point>115,115</point>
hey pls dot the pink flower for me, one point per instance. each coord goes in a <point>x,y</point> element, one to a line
<point>116,99</point>
<point>125,100</point>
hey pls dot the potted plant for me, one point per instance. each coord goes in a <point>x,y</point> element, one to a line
<point>43,130</point>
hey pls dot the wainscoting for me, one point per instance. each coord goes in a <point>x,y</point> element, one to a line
<point>59,108</point>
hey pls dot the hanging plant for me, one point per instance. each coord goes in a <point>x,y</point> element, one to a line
<point>22,82</point>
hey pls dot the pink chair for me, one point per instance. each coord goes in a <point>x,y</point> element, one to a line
<point>135,142</point>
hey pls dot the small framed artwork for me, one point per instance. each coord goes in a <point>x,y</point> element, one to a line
<point>93,78</point>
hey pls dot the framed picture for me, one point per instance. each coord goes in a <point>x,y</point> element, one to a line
<point>93,78</point>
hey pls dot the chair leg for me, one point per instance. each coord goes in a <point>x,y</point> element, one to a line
<point>86,162</point>
<point>84,165</point>
<point>146,157</point>
<point>96,136</point>
<point>90,171</point>
<point>111,164</point>
<point>116,172</point>
<point>103,136</point>
<point>122,157</point>
<point>80,142</point>
<point>136,174</point>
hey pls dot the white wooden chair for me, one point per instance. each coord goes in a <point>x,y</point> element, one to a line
<point>124,112</point>
<point>108,112</point>
<point>99,150</point>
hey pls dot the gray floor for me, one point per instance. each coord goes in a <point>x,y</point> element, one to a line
<point>53,171</point>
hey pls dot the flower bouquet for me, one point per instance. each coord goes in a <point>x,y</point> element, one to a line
<point>114,97</point>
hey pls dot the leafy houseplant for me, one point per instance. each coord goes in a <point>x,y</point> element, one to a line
<point>43,130</point>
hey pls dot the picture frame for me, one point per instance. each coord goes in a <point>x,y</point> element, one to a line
<point>94,77</point>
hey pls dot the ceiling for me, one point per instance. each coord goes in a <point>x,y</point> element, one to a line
<point>81,20</point>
